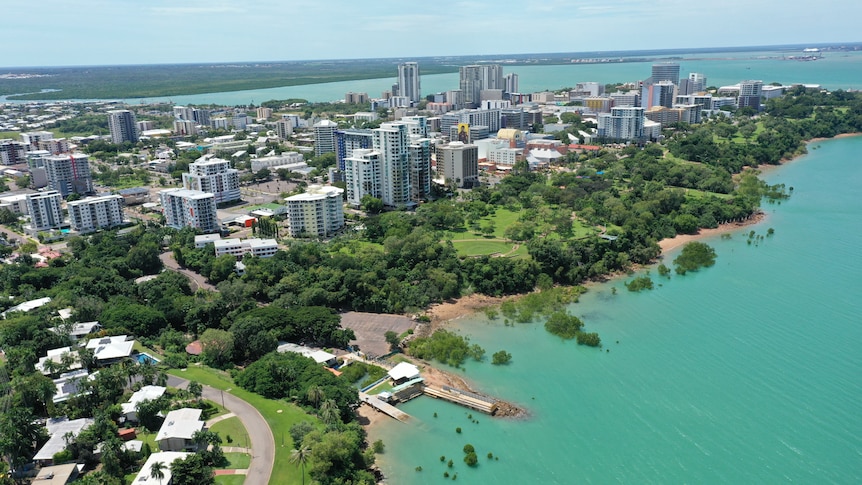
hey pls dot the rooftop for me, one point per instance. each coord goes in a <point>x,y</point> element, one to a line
<point>180,423</point>
<point>144,477</point>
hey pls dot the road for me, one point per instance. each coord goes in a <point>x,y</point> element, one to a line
<point>199,281</point>
<point>262,441</point>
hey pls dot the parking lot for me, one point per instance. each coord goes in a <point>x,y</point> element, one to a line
<point>370,329</point>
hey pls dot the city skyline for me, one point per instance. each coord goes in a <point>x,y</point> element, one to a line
<point>160,32</point>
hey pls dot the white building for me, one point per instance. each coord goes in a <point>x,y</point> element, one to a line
<point>262,248</point>
<point>45,210</point>
<point>391,141</point>
<point>284,128</point>
<point>145,393</point>
<point>123,126</point>
<point>749,94</point>
<point>504,157</point>
<point>185,127</point>
<point>317,212</point>
<point>213,176</point>
<point>286,158</point>
<point>107,350</point>
<point>192,208</point>
<point>68,173</point>
<point>145,477</point>
<point>324,137</point>
<point>94,213</point>
<point>178,428</point>
<point>362,175</point>
<point>16,204</point>
<point>459,163</point>
<point>408,81</point>
<point>622,123</point>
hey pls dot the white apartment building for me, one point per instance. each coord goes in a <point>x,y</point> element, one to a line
<point>284,128</point>
<point>185,127</point>
<point>324,137</point>
<point>459,163</point>
<point>123,126</point>
<point>286,158</point>
<point>68,173</point>
<point>94,213</point>
<point>262,248</point>
<point>504,157</point>
<point>317,212</point>
<point>45,210</point>
<point>12,152</point>
<point>32,138</point>
<point>263,112</point>
<point>391,140</point>
<point>189,208</point>
<point>408,81</point>
<point>214,176</point>
<point>622,123</point>
<point>362,175</point>
<point>55,146</point>
<point>16,204</point>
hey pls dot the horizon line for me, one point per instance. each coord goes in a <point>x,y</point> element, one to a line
<point>622,53</point>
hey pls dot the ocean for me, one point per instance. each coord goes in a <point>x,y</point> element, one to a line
<point>837,70</point>
<point>745,372</point>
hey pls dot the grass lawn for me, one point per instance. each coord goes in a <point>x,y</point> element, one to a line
<point>279,415</point>
<point>699,194</point>
<point>477,248</point>
<point>383,386</point>
<point>149,438</point>
<point>232,427</point>
<point>230,479</point>
<point>237,461</point>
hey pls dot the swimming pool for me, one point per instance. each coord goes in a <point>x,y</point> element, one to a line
<point>143,358</point>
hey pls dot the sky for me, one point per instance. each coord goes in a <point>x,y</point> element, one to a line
<point>110,32</point>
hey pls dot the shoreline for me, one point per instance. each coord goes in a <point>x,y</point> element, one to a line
<point>444,313</point>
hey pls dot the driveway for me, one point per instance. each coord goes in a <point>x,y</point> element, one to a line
<point>262,441</point>
<point>199,282</point>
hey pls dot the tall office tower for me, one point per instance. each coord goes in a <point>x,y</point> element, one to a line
<point>419,156</point>
<point>68,173</point>
<point>324,137</point>
<point>459,163</point>
<point>317,212</point>
<point>622,123</point>
<point>123,126</point>
<point>12,152</point>
<point>665,71</point>
<point>475,78</point>
<point>749,94</point>
<point>391,141</point>
<point>213,176</point>
<point>347,141</point>
<point>695,83</point>
<point>189,208</point>
<point>44,209</point>
<point>408,81</point>
<point>510,83</point>
<point>93,213</point>
<point>201,116</point>
<point>362,175</point>
<point>417,125</point>
<point>455,98</point>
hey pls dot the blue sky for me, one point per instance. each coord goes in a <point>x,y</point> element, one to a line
<point>99,32</point>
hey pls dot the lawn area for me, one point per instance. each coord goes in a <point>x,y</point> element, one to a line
<point>699,194</point>
<point>232,427</point>
<point>279,415</point>
<point>383,386</point>
<point>237,461</point>
<point>478,248</point>
<point>230,479</point>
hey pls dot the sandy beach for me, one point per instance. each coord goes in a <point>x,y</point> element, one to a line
<point>670,244</point>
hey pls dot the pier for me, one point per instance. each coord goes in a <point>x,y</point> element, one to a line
<point>384,407</point>
<point>463,398</point>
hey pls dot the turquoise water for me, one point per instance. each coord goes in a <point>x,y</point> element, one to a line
<point>746,372</point>
<point>836,70</point>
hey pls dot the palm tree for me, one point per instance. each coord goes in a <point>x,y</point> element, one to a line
<point>157,471</point>
<point>315,395</point>
<point>300,457</point>
<point>329,413</point>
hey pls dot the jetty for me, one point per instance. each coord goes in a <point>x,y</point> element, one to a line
<point>384,407</point>
<point>463,398</point>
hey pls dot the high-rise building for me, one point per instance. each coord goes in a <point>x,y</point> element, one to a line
<point>658,94</point>
<point>749,94</point>
<point>32,138</point>
<point>355,98</point>
<point>213,176</point>
<point>12,152</point>
<point>483,117</point>
<point>408,81</point>
<point>240,121</point>
<point>263,112</point>
<point>349,140</point>
<point>695,83</point>
<point>629,98</point>
<point>201,116</point>
<point>189,208</point>
<point>55,146</point>
<point>417,125</point>
<point>391,140</point>
<point>324,137</point>
<point>510,84</point>
<point>284,128</point>
<point>475,78</point>
<point>317,212</point>
<point>362,175</point>
<point>185,127</point>
<point>459,163</point>
<point>419,156</point>
<point>45,211</point>
<point>665,71</point>
<point>94,213</point>
<point>68,173</point>
<point>184,113</point>
<point>622,123</point>
<point>123,126</point>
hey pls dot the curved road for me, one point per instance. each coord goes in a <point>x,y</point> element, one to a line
<point>168,260</point>
<point>262,441</point>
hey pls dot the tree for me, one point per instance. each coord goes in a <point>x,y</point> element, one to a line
<point>222,267</point>
<point>315,395</point>
<point>329,413</point>
<point>300,456</point>
<point>191,471</point>
<point>694,255</point>
<point>217,347</point>
<point>196,389</point>
<point>157,471</point>
<point>392,339</point>
<point>501,358</point>
<point>20,433</point>
<point>371,204</point>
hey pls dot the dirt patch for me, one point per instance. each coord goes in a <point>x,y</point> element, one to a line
<point>370,329</point>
